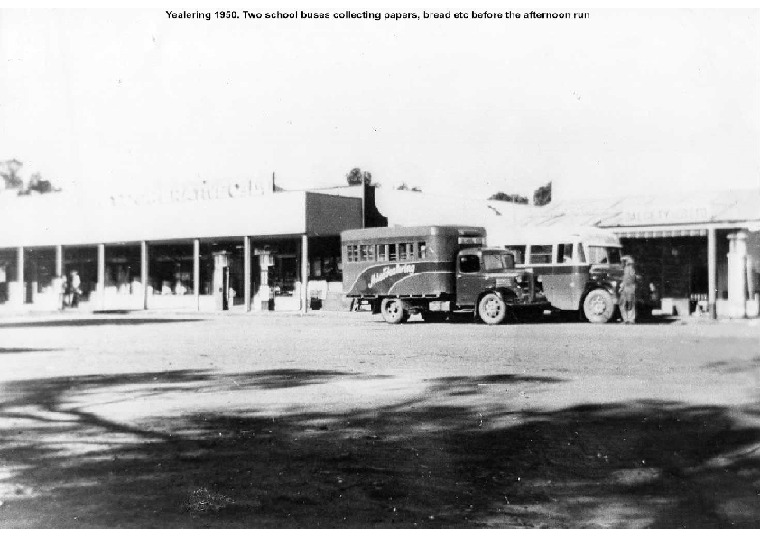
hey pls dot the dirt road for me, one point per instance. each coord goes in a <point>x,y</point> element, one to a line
<point>339,420</point>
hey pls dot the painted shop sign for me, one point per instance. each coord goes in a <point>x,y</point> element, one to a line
<point>190,193</point>
<point>660,215</point>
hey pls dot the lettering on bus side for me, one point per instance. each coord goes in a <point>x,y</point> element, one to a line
<point>387,272</point>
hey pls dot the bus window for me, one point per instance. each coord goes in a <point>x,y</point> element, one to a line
<point>541,254</point>
<point>469,263</point>
<point>371,252</point>
<point>392,252</point>
<point>497,262</point>
<point>363,252</point>
<point>422,250</point>
<point>581,255</point>
<point>603,255</point>
<point>351,253</point>
<point>518,251</point>
<point>382,252</point>
<point>565,253</point>
<point>405,251</point>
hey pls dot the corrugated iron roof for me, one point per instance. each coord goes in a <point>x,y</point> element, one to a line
<point>650,210</point>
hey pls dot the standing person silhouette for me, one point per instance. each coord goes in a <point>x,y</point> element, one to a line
<point>75,288</point>
<point>627,292</point>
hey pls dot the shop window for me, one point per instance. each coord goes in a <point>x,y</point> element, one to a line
<point>469,264</point>
<point>565,253</point>
<point>541,254</point>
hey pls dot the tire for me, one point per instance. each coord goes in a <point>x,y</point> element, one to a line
<point>599,306</point>
<point>492,309</point>
<point>393,311</point>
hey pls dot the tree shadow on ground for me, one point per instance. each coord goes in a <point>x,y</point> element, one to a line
<point>92,322</point>
<point>430,461</point>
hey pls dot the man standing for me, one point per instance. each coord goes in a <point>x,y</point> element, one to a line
<point>627,296</point>
<point>75,288</point>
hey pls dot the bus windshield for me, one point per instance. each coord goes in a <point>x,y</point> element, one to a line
<point>603,255</point>
<point>497,261</point>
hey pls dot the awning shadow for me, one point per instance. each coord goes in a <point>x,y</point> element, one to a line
<point>49,323</point>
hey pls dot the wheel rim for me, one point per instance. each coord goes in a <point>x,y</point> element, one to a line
<point>598,305</point>
<point>492,308</point>
<point>393,309</point>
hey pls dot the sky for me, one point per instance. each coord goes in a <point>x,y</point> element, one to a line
<point>621,103</point>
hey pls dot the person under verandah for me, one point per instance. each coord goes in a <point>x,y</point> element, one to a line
<point>627,291</point>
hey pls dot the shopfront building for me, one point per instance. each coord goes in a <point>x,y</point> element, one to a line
<point>701,249</point>
<point>202,249</point>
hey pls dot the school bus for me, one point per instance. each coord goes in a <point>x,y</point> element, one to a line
<point>579,269</point>
<point>433,270</point>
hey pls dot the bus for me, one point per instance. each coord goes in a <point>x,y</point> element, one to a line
<point>433,271</point>
<point>579,269</point>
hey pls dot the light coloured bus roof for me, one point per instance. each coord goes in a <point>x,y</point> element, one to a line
<point>400,232</point>
<point>550,235</point>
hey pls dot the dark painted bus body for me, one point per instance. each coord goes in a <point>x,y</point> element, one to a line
<point>433,270</point>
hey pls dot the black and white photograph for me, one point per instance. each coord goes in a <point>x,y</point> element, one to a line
<point>436,265</point>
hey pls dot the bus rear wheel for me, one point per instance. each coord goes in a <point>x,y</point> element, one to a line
<point>393,311</point>
<point>492,308</point>
<point>599,306</point>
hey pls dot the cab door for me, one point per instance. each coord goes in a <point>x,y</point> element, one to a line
<point>469,278</point>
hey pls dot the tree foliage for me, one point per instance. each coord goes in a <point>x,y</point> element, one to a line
<point>404,186</point>
<point>9,171</point>
<point>38,184</point>
<point>543,195</point>
<point>357,177</point>
<point>514,198</point>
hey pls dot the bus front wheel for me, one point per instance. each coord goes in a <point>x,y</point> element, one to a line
<point>393,311</point>
<point>599,306</point>
<point>492,308</point>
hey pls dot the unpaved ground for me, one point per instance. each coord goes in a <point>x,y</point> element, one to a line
<point>338,420</point>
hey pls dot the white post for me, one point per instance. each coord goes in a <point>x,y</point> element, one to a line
<point>102,275</point>
<point>712,273</point>
<point>304,273</point>
<point>21,299</point>
<point>737,274</point>
<point>59,261</point>
<point>247,272</point>
<point>144,272</point>
<point>197,273</point>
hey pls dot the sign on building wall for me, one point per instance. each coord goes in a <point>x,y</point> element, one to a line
<point>190,193</point>
<point>663,215</point>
